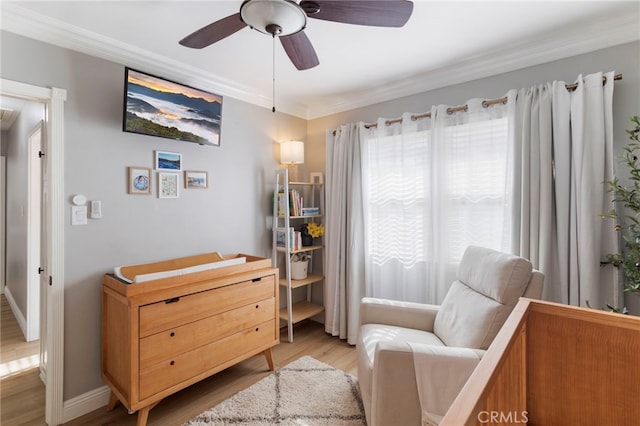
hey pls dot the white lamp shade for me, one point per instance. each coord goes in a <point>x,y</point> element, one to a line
<point>292,152</point>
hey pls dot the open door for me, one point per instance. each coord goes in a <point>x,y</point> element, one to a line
<point>34,228</point>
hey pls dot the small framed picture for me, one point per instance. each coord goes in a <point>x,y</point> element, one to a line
<point>139,180</point>
<point>196,179</point>
<point>168,185</point>
<point>316,178</point>
<point>168,161</point>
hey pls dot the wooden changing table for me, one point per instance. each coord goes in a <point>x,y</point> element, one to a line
<point>163,335</point>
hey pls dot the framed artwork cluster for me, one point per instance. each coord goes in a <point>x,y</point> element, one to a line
<point>168,166</point>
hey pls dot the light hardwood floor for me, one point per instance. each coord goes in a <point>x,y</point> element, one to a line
<point>21,390</point>
<point>309,339</point>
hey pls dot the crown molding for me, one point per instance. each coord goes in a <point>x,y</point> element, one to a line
<point>553,46</point>
<point>24,22</point>
<point>567,42</point>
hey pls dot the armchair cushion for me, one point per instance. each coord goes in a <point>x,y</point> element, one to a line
<point>469,319</point>
<point>501,276</point>
<point>477,304</point>
<point>372,334</point>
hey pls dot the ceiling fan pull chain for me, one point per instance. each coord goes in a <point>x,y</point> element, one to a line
<point>273,73</point>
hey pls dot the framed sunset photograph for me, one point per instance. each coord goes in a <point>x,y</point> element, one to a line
<point>158,107</point>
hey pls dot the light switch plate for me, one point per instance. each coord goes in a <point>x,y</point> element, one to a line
<point>96,210</point>
<point>78,215</point>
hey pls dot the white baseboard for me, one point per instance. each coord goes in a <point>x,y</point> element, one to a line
<point>20,319</point>
<point>85,403</point>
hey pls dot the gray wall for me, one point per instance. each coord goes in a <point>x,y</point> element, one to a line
<point>4,136</point>
<point>17,201</point>
<point>623,59</point>
<point>230,216</point>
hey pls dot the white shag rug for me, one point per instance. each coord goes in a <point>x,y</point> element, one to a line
<point>305,392</point>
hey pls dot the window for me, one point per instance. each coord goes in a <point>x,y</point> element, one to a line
<point>431,193</point>
<point>397,183</point>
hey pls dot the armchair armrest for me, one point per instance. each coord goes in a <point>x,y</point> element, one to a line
<point>441,373</point>
<point>413,381</point>
<point>419,316</point>
<point>394,393</point>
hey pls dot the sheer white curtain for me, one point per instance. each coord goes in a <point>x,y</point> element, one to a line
<point>397,191</point>
<point>567,155</point>
<point>344,237</point>
<point>431,188</point>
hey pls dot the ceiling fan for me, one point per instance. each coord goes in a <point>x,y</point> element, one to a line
<point>287,19</point>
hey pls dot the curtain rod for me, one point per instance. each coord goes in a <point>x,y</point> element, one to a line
<point>570,87</point>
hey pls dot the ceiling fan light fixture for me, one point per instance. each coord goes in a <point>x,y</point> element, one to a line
<point>266,15</point>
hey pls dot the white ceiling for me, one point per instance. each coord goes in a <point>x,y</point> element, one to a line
<point>444,43</point>
<point>10,108</point>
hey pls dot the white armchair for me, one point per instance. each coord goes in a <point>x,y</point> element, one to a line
<point>413,359</point>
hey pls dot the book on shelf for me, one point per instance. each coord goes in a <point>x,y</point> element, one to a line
<point>295,238</point>
<point>295,203</point>
<point>281,204</point>
<point>310,211</point>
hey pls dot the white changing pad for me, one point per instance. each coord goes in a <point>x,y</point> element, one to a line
<point>176,272</point>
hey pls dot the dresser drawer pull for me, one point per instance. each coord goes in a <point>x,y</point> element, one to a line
<point>257,306</point>
<point>172,300</point>
<point>172,363</point>
<point>255,280</point>
<point>173,333</point>
<point>257,329</point>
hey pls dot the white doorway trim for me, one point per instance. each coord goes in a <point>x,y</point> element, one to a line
<point>53,211</point>
<point>3,230</point>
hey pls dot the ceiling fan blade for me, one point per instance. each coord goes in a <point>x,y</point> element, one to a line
<point>214,32</point>
<point>377,13</point>
<point>300,50</point>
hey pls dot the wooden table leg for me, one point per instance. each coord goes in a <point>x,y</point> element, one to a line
<point>267,354</point>
<point>113,400</point>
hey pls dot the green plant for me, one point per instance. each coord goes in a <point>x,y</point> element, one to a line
<point>629,221</point>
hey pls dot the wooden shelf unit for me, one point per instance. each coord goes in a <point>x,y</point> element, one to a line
<point>293,313</point>
<point>301,311</point>
<point>311,279</point>
<point>301,250</point>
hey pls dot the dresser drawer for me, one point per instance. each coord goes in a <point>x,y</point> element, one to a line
<point>183,367</point>
<point>174,341</point>
<point>172,313</point>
